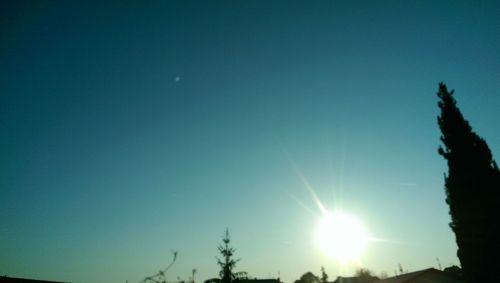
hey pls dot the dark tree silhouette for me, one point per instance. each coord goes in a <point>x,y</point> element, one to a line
<point>308,277</point>
<point>160,277</point>
<point>472,188</point>
<point>324,276</point>
<point>227,263</point>
<point>454,271</point>
<point>365,275</point>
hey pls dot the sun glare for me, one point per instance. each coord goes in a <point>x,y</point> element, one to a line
<point>342,237</point>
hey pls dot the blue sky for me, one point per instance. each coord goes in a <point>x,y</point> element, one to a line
<point>110,162</point>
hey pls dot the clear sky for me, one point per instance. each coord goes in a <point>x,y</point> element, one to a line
<point>131,129</point>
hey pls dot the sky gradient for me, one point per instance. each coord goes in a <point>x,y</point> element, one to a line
<point>131,129</point>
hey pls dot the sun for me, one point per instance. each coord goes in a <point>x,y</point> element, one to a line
<point>342,237</point>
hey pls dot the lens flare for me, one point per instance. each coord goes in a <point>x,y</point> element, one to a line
<point>342,237</point>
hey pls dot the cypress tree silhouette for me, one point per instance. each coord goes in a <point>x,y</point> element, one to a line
<point>472,188</point>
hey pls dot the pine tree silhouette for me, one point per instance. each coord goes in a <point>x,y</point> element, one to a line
<point>472,188</point>
<point>227,263</point>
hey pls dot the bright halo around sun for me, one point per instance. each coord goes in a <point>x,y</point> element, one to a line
<point>342,237</point>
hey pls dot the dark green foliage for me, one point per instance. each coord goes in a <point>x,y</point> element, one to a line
<point>308,277</point>
<point>227,263</point>
<point>472,191</point>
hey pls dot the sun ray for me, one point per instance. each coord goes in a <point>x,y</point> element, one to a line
<point>302,204</point>
<point>312,192</point>
<point>306,184</point>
